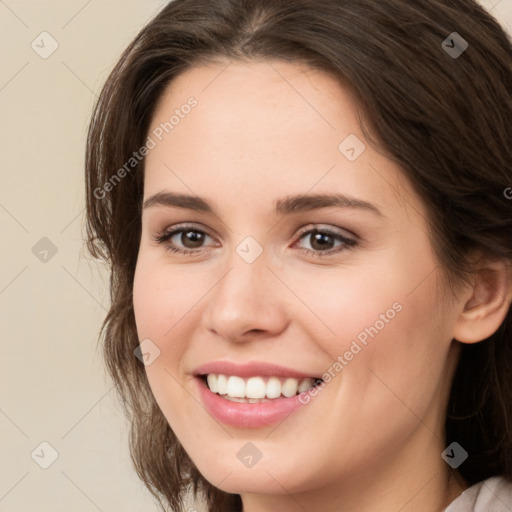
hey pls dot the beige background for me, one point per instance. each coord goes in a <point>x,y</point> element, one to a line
<point>53,387</point>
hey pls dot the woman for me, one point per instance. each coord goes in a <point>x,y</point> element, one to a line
<point>305,206</point>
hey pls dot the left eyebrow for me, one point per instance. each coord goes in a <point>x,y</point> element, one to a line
<point>301,203</point>
<point>284,206</point>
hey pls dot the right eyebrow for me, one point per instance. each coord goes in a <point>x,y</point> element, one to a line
<point>179,201</point>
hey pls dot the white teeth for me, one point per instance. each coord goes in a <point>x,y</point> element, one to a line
<point>273,388</point>
<point>304,385</point>
<point>289,387</point>
<point>222,384</point>
<point>245,400</point>
<point>212,382</point>
<point>236,387</point>
<point>256,389</point>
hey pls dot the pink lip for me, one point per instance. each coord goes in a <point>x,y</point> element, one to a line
<point>253,369</point>
<point>247,415</point>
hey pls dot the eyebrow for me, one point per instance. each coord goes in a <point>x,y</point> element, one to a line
<point>284,206</point>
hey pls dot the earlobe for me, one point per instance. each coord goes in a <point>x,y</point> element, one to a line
<point>486,304</point>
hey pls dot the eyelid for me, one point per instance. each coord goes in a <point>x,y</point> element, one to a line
<point>169,232</point>
<point>347,241</point>
<point>328,228</point>
<point>302,231</point>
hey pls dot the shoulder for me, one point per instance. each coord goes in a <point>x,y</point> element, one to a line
<point>491,495</point>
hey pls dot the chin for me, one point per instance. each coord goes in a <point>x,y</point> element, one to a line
<point>260,479</point>
<point>249,483</point>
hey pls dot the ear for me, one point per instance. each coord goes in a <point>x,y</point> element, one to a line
<point>486,302</point>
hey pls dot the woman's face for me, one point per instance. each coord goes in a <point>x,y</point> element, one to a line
<point>360,300</point>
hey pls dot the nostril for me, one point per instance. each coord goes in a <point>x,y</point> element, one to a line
<point>257,330</point>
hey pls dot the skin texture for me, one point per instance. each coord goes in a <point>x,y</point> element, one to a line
<point>372,438</point>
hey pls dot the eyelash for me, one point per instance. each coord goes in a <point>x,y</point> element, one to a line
<point>164,236</point>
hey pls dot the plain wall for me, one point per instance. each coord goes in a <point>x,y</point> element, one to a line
<point>53,298</point>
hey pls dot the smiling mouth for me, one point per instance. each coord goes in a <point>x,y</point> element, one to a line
<point>257,389</point>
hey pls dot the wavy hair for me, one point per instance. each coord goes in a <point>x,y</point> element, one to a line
<point>444,118</point>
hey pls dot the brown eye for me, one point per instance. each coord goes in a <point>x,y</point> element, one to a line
<point>322,241</point>
<point>184,239</point>
<point>192,239</point>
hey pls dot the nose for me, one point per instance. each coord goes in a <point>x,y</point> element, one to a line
<point>247,303</point>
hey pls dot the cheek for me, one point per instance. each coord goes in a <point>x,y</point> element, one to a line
<point>386,326</point>
<point>401,371</point>
<point>163,300</point>
<point>162,304</point>
<point>163,308</point>
<point>377,306</point>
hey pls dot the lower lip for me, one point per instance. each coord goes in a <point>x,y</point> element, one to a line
<point>248,415</point>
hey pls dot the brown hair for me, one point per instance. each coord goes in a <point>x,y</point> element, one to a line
<point>445,119</point>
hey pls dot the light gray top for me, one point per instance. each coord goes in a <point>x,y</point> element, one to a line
<point>491,495</point>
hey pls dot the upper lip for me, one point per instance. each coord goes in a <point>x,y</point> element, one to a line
<point>252,369</point>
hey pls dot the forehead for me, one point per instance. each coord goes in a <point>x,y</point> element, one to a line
<point>262,98</point>
<point>264,127</point>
